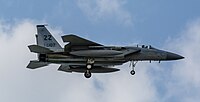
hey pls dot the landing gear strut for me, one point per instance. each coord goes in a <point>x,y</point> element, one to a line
<point>89,65</point>
<point>133,64</point>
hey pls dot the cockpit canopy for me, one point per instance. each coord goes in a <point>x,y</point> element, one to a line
<point>146,46</point>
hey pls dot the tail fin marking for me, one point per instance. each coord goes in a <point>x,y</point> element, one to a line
<point>45,39</point>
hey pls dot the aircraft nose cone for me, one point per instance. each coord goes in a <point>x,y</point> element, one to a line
<point>172,56</point>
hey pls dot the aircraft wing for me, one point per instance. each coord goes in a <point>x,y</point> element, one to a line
<point>78,41</point>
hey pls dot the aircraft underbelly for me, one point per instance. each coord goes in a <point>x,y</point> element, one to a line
<point>82,61</point>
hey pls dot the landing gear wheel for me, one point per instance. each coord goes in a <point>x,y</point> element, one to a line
<point>132,72</point>
<point>87,74</point>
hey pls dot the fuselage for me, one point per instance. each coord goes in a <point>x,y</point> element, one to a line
<point>109,56</point>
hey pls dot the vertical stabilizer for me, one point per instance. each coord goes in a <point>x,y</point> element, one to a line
<point>45,39</point>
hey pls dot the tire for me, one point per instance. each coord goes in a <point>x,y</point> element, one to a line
<point>87,74</point>
<point>132,72</point>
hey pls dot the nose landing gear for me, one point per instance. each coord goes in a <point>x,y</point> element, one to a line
<point>132,65</point>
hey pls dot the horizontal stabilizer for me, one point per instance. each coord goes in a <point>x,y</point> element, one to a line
<point>78,41</point>
<point>39,49</point>
<point>36,64</point>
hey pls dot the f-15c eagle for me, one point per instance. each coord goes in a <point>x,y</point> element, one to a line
<point>85,56</point>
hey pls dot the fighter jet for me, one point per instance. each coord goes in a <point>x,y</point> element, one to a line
<point>85,56</point>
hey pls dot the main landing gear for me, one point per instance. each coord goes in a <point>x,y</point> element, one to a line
<point>132,65</point>
<point>89,65</point>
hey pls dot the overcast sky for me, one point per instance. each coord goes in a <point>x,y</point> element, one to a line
<point>172,25</point>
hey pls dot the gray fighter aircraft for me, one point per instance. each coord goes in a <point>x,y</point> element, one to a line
<point>84,56</point>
